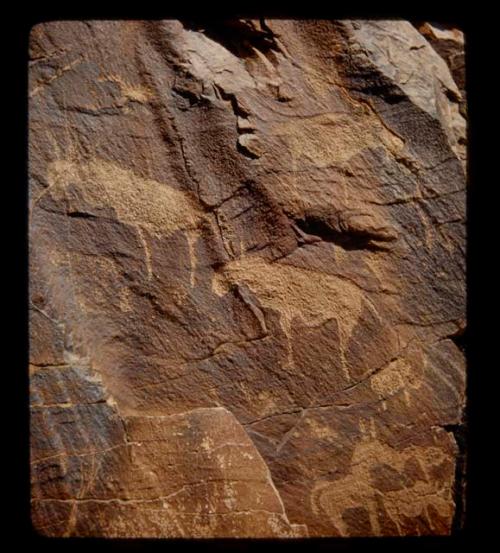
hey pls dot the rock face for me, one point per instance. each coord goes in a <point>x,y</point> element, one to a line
<point>449,44</point>
<point>247,279</point>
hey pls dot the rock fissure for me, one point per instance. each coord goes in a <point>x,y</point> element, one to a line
<point>247,278</point>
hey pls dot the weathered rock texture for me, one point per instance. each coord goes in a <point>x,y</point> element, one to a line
<point>247,279</point>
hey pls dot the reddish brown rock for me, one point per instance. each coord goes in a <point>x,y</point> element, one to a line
<point>247,279</point>
<point>448,41</point>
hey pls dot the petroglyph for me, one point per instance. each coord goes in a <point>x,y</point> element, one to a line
<point>136,200</point>
<point>247,278</point>
<point>401,481</point>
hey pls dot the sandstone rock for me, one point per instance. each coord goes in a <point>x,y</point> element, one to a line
<point>449,44</point>
<point>247,279</point>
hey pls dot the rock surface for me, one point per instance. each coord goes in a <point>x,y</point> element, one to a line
<point>449,44</point>
<point>247,279</point>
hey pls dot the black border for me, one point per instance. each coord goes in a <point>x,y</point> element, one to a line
<point>476,524</point>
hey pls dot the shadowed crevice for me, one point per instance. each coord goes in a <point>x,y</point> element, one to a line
<point>239,37</point>
<point>348,240</point>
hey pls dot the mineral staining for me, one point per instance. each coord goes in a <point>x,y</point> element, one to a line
<point>247,278</point>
